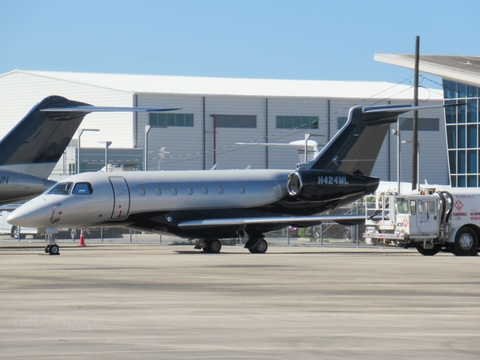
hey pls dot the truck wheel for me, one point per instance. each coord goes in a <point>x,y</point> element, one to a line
<point>466,242</point>
<point>429,252</point>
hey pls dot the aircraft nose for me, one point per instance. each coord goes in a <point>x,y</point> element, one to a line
<point>31,214</point>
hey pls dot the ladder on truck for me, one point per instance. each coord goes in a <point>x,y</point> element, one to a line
<point>380,212</point>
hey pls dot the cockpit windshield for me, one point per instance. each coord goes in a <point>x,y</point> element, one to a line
<point>82,189</point>
<point>62,188</point>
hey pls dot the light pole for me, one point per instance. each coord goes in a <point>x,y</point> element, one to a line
<point>307,136</point>
<point>418,161</point>
<point>80,132</point>
<point>147,130</point>
<point>399,161</point>
<point>107,144</point>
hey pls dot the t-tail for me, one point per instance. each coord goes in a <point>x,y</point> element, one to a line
<point>355,148</point>
<point>341,171</point>
<point>38,141</point>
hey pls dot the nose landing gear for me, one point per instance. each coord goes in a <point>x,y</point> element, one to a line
<point>52,248</point>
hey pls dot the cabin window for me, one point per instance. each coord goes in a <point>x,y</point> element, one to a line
<point>62,188</point>
<point>82,189</point>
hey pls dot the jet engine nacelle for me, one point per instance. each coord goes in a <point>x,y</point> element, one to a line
<point>322,185</point>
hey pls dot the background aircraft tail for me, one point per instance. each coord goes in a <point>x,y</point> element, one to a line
<point>38,141</point>
<point>354,149</point>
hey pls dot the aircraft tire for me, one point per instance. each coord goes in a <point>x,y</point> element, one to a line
<point>16,233</point>
<point>216,246</point>
<point>260,247</point>
<point>54,249</point>
<point>212,246</point>
<point>466,242</point>
<point>47,249</point>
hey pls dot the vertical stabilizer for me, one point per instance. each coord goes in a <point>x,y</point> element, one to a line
<point>38,141</point>
<point>355,148</point>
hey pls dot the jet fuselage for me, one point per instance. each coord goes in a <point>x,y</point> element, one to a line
<point>160,201</point>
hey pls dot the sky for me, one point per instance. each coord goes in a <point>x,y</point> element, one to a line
<point>274,39</point>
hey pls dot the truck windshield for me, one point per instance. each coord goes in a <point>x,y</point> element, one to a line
<point>403,206</point>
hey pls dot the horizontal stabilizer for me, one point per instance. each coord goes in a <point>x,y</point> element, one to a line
<point>89,109</point>
<point>402,108</point>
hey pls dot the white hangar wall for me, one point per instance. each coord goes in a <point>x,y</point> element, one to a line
<point>186,145</point>
<point>191,147</point>
<point>21,91</point>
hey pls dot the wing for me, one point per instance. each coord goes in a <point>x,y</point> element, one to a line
<point>287,220</point>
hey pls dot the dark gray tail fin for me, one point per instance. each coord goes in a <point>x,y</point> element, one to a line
<point>354,149</point>
<point>38,141</point>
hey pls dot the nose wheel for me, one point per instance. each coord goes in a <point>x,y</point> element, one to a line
<point>51,248</point>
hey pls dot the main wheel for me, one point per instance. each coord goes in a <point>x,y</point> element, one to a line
<point>429,252</point>
<point>466,242</point>
<point>215,246</point>
<point>212,246</point>
<point>260,247</point>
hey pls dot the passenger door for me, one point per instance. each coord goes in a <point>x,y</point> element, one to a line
<point>121,198</point>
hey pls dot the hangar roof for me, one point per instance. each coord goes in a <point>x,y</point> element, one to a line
<point>191,85</point>
<point>464,69</point>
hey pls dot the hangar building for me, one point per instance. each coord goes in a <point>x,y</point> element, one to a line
<point>218,113</point>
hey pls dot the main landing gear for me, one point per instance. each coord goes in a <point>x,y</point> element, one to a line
<point>257,246</point>
<point>211,246</point>
<point>255,243</point>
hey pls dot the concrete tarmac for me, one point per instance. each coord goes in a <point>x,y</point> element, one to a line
<point>171,302</point>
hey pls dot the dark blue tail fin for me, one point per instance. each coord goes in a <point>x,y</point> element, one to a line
<point>354,149</point>
<point>38,141</point>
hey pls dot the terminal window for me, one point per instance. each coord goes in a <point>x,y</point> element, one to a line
<point>297,122</point>
<point>165,120</point>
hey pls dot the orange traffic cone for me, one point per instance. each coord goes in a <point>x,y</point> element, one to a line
<point>82,239</point>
